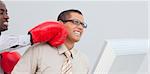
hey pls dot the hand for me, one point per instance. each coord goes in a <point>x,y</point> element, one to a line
<point>52,32</point>
<point>9,60</point>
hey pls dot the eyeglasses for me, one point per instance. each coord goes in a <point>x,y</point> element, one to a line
<point>76,22</point>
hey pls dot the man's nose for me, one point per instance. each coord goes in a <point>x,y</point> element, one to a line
<point>6,16</point>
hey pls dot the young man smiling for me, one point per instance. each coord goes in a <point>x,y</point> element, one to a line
<point>65,59</point>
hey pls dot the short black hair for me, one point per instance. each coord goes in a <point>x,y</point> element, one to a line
<point>65,14</point>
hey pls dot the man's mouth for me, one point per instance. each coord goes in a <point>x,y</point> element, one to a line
<point>5,23</point>
<point>5,26</point>
<point>77,33</point>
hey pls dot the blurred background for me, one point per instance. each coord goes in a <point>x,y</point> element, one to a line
<point>106,19</point>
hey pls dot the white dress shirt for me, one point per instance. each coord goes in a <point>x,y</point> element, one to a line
<point>44,59</point>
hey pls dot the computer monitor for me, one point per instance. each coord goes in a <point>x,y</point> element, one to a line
<point>123,56</point>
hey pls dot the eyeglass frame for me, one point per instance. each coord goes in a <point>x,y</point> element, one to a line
<point>76,22</point>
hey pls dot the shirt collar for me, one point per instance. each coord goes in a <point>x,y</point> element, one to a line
<point>63,49</point>
<point>74,52</point>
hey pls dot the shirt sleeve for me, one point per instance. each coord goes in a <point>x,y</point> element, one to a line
<point>86,62</point>
<point>28,62</point>
<point>88,65</point>
<point>8,41</point>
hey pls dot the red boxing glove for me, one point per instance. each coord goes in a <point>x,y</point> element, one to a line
<point>9,60</point>
<point>59,38</point>
<point>52,32</point>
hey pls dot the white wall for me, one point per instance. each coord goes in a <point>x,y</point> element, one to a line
<point>105,19</point>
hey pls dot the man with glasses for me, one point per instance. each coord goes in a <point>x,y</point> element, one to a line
<point>44,59</point>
